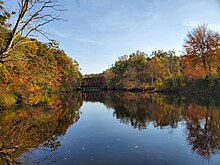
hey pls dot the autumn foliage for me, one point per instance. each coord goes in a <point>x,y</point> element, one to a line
<point>198,68</point>
<point>44,70</point>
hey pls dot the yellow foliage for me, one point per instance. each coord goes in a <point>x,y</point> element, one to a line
<point>129,85</point>
<point>144,86</point>
<point>33,99</point>
<point>7,100</point>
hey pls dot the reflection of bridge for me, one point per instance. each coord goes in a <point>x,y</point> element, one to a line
<point>95,83</point>
<point>94,96</point>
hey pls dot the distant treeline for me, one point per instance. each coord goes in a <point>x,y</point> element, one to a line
<point>198,68</point>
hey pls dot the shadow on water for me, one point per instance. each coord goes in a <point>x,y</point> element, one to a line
<point>200,114</point>
<point>27,127</point>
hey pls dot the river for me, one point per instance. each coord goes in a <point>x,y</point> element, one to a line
<point>114,128</point>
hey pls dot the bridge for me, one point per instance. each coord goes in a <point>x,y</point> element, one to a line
<point>93,84</point>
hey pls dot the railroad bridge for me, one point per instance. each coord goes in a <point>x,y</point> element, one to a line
<point>93,84</point>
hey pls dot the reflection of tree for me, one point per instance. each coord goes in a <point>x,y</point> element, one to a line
<point>202,116</point>
<point>203,127</point>
<point>138,109</point>
<point>26,127</point>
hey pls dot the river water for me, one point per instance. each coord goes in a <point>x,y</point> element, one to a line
<point>114,128</point>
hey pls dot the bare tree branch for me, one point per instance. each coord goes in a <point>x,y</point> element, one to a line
<point>33,14</point>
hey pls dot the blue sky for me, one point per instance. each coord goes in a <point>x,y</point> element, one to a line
<point>99,31</point>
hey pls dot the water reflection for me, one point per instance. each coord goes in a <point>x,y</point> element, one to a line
<point>201,115</point>
<point>25,127</point>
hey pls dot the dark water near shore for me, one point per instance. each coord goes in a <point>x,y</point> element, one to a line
<point>114,128</point>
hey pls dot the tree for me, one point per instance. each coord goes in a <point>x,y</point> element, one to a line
<point>203,43</point>
<point>169,68</point>
<point>53,44</point>
<point>4,14</point>
<point>153,69</point>
<point>32,15</point>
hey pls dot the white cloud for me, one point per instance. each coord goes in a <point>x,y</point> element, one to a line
<point>88,41</point>
<point>193,24</point>
<point>61,33</point>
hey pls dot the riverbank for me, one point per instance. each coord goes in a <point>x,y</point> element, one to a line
<point>154,90</point>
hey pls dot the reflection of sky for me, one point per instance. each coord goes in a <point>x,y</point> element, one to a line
<point>98,31</point>
<point>100,138</point>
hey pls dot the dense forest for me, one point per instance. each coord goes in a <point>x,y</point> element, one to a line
<point>31,72</point>
<point>198,68</point>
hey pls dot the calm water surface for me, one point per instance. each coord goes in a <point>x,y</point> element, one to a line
<point>115,128</point>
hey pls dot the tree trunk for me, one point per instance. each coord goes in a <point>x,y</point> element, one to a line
<point>204,66</point>
<point>14,35</point>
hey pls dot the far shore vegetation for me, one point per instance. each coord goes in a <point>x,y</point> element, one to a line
<point>31,72</point>
<point>197,69</point>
